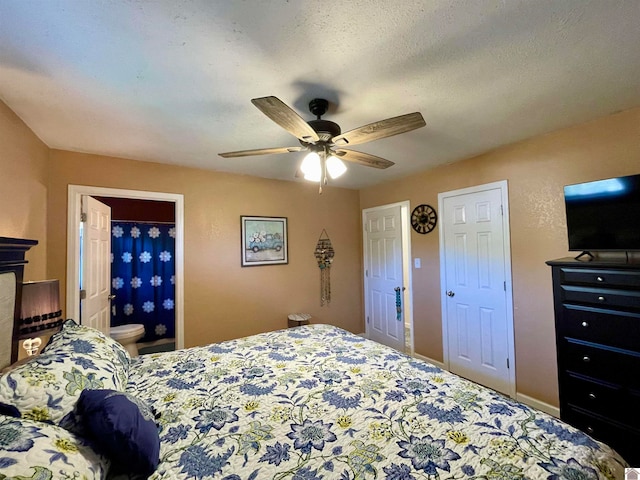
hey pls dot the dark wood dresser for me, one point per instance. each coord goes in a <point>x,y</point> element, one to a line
<point>597,313</point>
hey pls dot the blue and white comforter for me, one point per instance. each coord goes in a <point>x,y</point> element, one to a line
<point>317,402</point>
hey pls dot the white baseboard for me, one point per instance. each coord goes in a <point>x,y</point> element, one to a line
<point>429,360</point>
<point>363,334</point>
<point>520,397</point>
<point>540,405</point>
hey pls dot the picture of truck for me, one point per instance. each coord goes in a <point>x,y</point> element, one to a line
<point>268,241</point>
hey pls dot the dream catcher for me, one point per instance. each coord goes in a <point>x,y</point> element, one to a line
<point>324,256</point>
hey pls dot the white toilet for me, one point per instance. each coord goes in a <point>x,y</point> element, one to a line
<point>128,335</point>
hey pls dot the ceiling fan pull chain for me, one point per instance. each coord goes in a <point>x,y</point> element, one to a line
<point>323,163</point>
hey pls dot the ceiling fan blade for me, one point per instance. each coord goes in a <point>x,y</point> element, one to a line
<point>381,129</point>
<point>286,117</point>
<point>261,151</point>
<point>363,158</point>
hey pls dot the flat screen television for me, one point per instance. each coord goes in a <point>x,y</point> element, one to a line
<point>604,215</point>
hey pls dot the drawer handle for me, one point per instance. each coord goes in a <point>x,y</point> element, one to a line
<point>586,359</point>
<point>589,430</point>
<point>600,279</point>
<point>601,299</point>
<point>585,324</point>
<point>592,396</point>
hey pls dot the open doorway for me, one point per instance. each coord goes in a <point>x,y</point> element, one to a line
<point>75,194</point>
<point>143,269</point>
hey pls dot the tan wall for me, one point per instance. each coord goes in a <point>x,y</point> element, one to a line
<point>222,299</point>
<point>23,189</point>
<point>536,171</point>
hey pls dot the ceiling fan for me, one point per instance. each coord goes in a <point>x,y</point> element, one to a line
<point>324,139</point>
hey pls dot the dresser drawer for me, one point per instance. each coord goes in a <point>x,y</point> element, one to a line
<point>599,325</point>
<point>600,277</point>
<point>621,438</point>
<point>598,296</point>
<point>607,400</point>
<point>611,365</point>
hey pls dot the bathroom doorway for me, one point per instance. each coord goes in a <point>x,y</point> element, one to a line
<point>143,269</point>
<point>75,194</point>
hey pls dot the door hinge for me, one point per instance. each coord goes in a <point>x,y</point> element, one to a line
<point>366,272</point>
<point>83,217</point>
<point>367,319</point>
<point>83,294</point>
<point>507,364</point>
<point>504,285</point>
<point>501,210</point>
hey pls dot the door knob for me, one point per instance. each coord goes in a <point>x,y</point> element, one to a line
<point>450,293</point>
<point>111,297</point>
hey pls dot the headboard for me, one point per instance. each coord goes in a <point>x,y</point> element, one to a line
<point>12,262</point>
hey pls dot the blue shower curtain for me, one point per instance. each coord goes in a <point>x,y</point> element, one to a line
<point>143,277</point>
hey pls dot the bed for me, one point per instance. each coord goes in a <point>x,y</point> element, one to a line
<point>311,402</point>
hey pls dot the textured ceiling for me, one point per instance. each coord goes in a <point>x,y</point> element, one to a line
<point>171,81</point>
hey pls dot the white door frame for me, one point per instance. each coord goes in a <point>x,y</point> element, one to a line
<point>406,268</point>
<point>75,193</point>
<point>504,192</point>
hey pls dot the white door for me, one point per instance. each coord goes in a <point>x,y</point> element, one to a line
<point>383,275</point>
<point>95,306</point>
<point>477,323</point>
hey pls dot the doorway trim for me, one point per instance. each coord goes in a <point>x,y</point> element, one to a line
<point>74,198</point>
<point>406,268</point>
<point>504,197</point>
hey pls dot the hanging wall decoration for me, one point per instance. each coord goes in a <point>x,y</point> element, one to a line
<point>324,256</point>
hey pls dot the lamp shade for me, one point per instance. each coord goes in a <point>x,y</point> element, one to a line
<point>311,167</point>
<point>40,307</point>
<point>335,166</point>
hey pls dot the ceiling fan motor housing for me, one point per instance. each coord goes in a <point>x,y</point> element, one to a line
<point>325,129</point>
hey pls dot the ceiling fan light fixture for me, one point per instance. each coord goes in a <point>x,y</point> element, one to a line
<point>311,167</point>
<point>335,167</point>
<point>320,136</point>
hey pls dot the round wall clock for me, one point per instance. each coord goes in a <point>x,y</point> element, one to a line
<point>424,218</point>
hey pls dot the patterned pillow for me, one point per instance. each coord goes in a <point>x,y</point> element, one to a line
<point>47,388</point>
<point>74,338</point>
<point>30,449</point>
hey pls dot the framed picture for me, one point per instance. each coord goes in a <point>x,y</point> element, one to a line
<point>264,241</point>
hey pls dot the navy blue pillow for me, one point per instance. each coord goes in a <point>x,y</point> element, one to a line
<point>121,427</point>
<point>9,410</point>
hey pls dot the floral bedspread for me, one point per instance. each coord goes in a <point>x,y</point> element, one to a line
<point>317,402</point>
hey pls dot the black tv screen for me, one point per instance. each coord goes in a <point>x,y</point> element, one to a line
<point>604,215</point>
